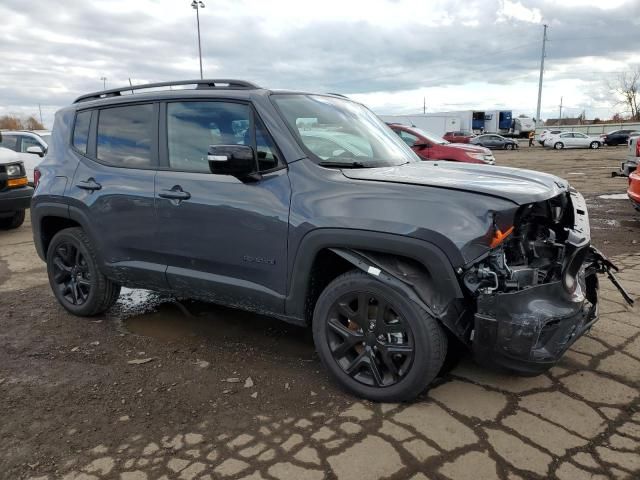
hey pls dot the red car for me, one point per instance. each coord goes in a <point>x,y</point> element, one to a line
<point>430,147</point>
<point>634,188</point>
<point>458,137</point>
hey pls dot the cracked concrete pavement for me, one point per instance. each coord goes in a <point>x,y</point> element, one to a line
<point>75,408</point>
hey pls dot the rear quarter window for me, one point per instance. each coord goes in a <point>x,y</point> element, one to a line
<point>81,131</point>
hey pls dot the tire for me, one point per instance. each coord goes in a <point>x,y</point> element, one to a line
<point>558,145</point>
<point>12,222</point>
<point>594,145</point>
<point>403,327</point>
<point>508,146</point>
<point>74,275</point>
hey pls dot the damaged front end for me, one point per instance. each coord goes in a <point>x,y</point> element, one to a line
<point>536,292</point>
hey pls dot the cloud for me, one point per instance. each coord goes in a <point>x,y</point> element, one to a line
<point>388,52</point>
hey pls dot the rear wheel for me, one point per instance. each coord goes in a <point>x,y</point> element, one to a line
<point>558,145</point>
<point>375,342</point>
<point>14,221</point>
<point>594,145</point>
<point>74,275</point>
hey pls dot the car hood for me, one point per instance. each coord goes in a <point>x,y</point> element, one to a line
<point>517,185</point>
<point>8,156</point>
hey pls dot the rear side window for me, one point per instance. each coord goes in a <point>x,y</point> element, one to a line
<point>10,142</point>
<point>124,136</point>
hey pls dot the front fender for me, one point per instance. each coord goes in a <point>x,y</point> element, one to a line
<point>424,253</point>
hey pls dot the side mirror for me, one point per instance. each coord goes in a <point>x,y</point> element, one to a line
<point>36,149</point>
<point>236,160</point>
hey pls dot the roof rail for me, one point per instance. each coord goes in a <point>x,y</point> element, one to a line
<point>219,83</point>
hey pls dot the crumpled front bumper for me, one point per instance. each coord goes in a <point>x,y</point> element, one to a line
<point>528,331</point>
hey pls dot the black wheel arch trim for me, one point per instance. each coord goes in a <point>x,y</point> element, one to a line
<point>346,243</point>
<point>41,209</point>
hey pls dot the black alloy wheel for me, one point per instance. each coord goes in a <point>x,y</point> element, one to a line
<point>374,341</point>
<point>369,340</point>
<point>75,276</point>
<point>71,274</point>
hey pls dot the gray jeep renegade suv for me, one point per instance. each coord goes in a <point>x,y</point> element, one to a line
<point>308,208</point>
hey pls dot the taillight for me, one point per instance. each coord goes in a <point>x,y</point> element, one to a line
<point>36,177</point>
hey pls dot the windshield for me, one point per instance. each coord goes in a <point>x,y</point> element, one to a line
<point>46,138</point>
<point>338,132</point>
<point>430,136</point>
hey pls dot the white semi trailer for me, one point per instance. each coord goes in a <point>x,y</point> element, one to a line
<point>435,124</point>
<point>476,121</point>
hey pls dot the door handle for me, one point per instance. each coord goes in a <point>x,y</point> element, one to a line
<point>89,184</point>
<point>176,193</point>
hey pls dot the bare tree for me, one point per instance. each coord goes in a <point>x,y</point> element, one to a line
<point>32,124</point>
<point>12,122</point>
<point>627,88</point>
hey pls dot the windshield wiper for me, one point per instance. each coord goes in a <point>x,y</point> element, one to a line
<point>343,164</point>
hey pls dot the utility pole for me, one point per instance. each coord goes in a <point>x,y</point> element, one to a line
<point>197,5</point>
<point>424,105</point>
<point>544,46</point>
<point>40,110</point>
<point>104,82</point>
<point>560,115</point>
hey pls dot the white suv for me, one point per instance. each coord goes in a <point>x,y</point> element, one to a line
<point>15,195</point>
<point>30,147</point>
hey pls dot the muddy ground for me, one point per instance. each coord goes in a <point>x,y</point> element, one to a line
<point>158,389</point>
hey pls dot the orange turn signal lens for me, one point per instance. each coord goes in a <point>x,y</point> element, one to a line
<point>500,237</point>
<point>17,182</point>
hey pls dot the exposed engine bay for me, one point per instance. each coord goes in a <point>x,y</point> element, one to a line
<point>534,253</point>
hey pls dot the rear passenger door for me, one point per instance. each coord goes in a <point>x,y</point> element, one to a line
<point>112,190</point>
<point>223,240</point>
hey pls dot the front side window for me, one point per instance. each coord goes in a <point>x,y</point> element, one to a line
<point>125,135</point>
<point>29,142</point>
<point>336,131</point>
<point>193,126</point>
<point>81,131</point>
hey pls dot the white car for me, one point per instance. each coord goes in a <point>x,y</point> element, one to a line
<point>30,147</point>
<point>572,140</point>
<point>546,134</point>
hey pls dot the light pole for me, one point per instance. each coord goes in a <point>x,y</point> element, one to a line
<point>104,82</point>
<point>197,5</point>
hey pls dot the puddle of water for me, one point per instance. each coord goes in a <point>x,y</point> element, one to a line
<point>184,320</point>
<point>614,196</point>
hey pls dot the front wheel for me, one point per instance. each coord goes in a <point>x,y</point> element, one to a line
<point>74,276</point>
<point>558,145</point>
<point>375,342</point>
<point>594,145</point>
<point>508,146</point>
<point>12,222</point>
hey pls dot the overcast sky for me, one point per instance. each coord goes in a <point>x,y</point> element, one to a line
<point>389,54</point>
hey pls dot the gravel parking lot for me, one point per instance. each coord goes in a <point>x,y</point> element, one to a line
<point>158,389</point>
